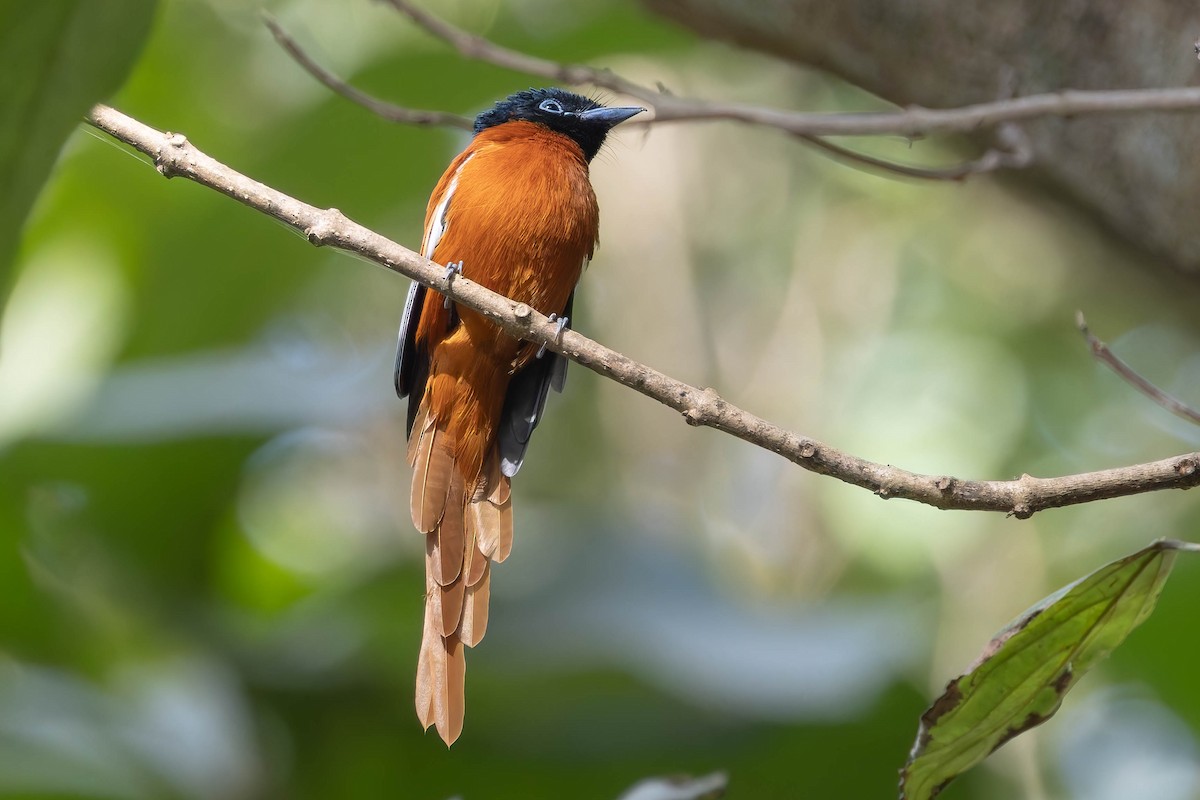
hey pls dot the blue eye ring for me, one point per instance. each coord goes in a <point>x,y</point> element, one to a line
<point>550,106</point>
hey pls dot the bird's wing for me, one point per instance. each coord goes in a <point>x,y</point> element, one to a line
<point>412,367</point>
<point>406,347</point>
<point>525,401</point>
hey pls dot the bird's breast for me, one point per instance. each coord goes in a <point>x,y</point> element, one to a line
<point>523,218</point>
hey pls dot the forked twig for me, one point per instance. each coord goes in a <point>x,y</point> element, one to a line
<point>1127,373</point>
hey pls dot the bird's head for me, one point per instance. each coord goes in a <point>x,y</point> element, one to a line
<point>583,120</point>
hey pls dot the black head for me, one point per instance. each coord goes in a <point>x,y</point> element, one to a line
<point>584,120</point>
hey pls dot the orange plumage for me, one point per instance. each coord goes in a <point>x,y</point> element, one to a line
<point>517,209</point>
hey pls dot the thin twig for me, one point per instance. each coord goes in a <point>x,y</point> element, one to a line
<point>1015,153</point>
<point>914,121</point>
<point>478,48</point>
<point>917,121</point>
<point>388,111</point>
<point>1111,360</point>
<point>993,159</point>
<point>174,156</point>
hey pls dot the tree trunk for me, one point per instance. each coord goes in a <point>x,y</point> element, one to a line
<point>1140,174</point>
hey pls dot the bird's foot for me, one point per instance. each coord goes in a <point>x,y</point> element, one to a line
<point>558,332</point>
<point>452,269</point>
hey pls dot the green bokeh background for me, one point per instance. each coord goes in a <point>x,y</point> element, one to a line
<point>211,586</point>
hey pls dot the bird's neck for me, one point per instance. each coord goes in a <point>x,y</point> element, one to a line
<point>554,143</point>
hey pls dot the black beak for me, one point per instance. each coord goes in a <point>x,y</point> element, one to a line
<point>610,117</point>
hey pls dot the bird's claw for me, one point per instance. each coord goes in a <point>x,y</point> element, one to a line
<point>558,332</point>
<point>452,269</point>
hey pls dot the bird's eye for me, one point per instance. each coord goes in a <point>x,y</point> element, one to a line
<point>551,106</point>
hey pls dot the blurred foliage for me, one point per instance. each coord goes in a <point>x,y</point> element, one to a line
<point>57,59</point>
<point>212,587</point>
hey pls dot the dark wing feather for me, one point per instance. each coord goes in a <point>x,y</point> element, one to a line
<point>525,401</point>
<point>412,368</point>
<point>406,348</point>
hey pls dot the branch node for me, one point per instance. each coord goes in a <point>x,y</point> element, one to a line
<point>1021,511</point>
<point>706,408</point>
<point>883,491</point>
<point>576,74</point>
<point>522,313</point>
<point>1185,467</point>
<point>808,449</point>
<point>1022,508</point>
<point>325,227</point>
<point>945,484</point>
<point>168,159</point>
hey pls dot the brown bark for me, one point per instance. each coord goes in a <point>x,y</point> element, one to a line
<point>1140,174</point>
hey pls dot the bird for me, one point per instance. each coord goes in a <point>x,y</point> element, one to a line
<point>516,212</point>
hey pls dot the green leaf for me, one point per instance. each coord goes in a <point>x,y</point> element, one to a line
<point>57,59</point>
<point>1020,679</point>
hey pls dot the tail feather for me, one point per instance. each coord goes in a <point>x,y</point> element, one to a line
<point>474,559</point>
<point>465,530</point>
<point>453,598</point>
<point>485,520</point>
<point>498,488</point>
<point>475,610</point>
<point>505,538</point>
<point>451,673</point>
<point>425,689</point>
<point>476,569</point>
<point>444,697</point>
<point>496,532</point>
<point>449,539</point>
<point>441,675</point>
<point>441,665</point>
<point>494,523</point>
<point>500,516</point>
<point>420,423</point>
<point>433,470</point>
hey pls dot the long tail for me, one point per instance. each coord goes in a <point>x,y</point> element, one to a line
<point>466,528</point>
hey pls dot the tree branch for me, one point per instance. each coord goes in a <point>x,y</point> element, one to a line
<point>380,108</point>
<point>912,122</point>
<point>1105,356</point>
<point>1015,156</point>
<point>1014,152</point>
<point>174,156</point>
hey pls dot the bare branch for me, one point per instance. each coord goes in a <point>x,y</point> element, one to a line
<point>917,121</point>
<point>1111,360</point>
<point>477,48</point>
<point>174,156</point>
<point>1015,153</point>
<point>388,111</point>
<point>913,122</point>
<point>1016,156</point>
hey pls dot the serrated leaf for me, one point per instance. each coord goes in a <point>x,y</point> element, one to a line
<point>1020,679</point>
<point>56,60</point>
